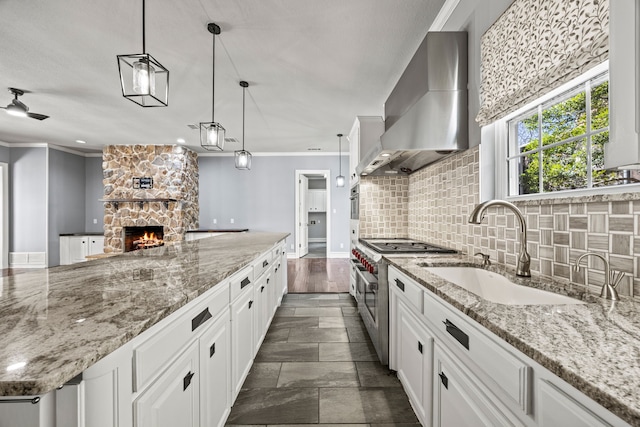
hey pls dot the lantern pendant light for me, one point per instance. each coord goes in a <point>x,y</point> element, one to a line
<point>243,157</point>
<point>143,79</point>
<point>340,181</point>
<point>212,133</point>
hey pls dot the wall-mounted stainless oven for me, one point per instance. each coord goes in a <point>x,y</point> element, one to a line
<point>355,202</point>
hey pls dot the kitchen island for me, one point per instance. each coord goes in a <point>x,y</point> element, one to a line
<point>592,347</point>
<point>59,322</point>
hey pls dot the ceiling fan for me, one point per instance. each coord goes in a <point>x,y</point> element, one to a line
<point>18,108</point>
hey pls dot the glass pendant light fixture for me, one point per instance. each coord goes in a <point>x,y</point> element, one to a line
<point>212,133</point>
<point>340,181</point>
<point>144,80</point>
<point>243,157</point>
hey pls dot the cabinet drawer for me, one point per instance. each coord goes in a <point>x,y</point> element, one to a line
<point>499,365</point>
<point>406,287</point>
<point>262,264</point>
<point>240,281</point>
<point>152,355</point>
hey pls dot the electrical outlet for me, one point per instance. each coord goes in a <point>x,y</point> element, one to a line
<point>215,220</point>
<point>95,220</point>
<point>232,220</point>
<point>341,245</point>
<point>292,246</point>
<point>334,211</point>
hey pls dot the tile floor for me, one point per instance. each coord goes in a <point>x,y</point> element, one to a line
<point>317,366</point>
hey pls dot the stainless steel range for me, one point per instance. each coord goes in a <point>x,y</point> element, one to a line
<point>372,288</point>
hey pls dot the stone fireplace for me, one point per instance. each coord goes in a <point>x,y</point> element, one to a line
<point>148,186</point>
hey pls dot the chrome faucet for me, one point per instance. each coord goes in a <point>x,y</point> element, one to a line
<point>523,267</point>
<point>608,290</point>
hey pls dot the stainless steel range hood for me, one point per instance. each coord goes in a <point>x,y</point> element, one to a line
<point>426,114</point>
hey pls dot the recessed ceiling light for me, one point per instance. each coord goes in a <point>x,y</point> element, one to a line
<point>180,141</point>
<point>79,141</point>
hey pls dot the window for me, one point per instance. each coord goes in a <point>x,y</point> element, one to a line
<point>559,144</point>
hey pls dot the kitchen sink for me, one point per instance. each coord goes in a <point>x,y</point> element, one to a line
<point>496,288</point>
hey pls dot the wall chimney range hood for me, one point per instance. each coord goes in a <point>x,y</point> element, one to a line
<point>426,114</point>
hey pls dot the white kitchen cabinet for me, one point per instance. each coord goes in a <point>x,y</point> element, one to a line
<point>415,361</point>
<point>197,235</point>
<point>317,200</point>
<point>242,343</point>
<point>215,373</point>
<point>557,408</point>
<point>74,249</point>
<point>260,314</point>
<point>173,400</point>
<point>364,135</point>
<point>459,400</point>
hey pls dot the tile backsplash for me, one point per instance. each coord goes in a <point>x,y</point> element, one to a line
<point>440,198</point>
<point>384,206</point>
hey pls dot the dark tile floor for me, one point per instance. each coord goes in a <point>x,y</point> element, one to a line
<point>317,366</point>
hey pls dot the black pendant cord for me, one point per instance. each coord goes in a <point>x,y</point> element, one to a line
<point>243,90</point>
<point>144,49</point>
<point>213,79</point>
<point>339,155</point>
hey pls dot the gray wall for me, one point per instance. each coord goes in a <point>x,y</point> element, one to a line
<point>28,195</point>
<point>5,154</point>
<point>94,191</point>
<point>66,198</point>
<point>263,199</point>
<point>317,184</point>
<point>319,229</point>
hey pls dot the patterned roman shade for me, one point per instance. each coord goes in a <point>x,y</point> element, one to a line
<point>536,46</point>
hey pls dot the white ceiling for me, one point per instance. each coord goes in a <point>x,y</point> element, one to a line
<point>312,67</point>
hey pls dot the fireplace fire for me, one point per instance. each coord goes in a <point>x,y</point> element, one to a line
<point>142,237</point>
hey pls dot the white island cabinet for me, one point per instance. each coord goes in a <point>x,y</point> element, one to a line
<point>185,370</point>
<point>458,373</point>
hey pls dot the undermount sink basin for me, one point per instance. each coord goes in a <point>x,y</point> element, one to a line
<point>497,288</point>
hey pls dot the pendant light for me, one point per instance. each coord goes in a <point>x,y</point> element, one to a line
<point>340,179</point>
<point>143,79</point>
<point>212,133</point>
<point>243,157</point>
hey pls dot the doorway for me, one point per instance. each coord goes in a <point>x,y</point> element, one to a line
<point>313,208</point>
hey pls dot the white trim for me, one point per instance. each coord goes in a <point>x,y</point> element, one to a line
<point>274,154</point>
<point>70,150</point>
<point>292,255</point>
<point>27,260</point>
<point>48,145</point>
<point>4,215</point>
<point>584,192</point>
<point>443,15</point>
<point>5,144</point>
<point>317,240</point>
<point>298,173</point>
<point>46,209</point>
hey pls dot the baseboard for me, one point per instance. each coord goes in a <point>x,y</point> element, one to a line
<point>291,255</point>
<point>317,240</point>
<point>27,260</point>
<point>338,255</point>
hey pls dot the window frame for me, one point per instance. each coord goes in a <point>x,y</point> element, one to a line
<point>506,178</point>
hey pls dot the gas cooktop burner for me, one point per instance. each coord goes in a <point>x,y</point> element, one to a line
<point>390,246</point>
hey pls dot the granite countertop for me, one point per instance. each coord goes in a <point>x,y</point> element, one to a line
<point>595,347</point>
<point>61,320</point>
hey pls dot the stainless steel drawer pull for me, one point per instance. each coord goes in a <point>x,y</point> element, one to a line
<point>187,380</point>
<point>197,321</point>
<point>33,400</point>
<point>244,282</point>
<point>400,285</point>
<point>455,332</point>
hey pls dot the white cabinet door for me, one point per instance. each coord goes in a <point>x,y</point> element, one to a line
<point>415,361</point>
<point>241,339</point>
<point>559,409</point>
<point>78,249</point>
<point>215,373</point>
<point>458,399</point>
<point>259,307</point>
<point>173,400</point>
<point>96,245</point>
